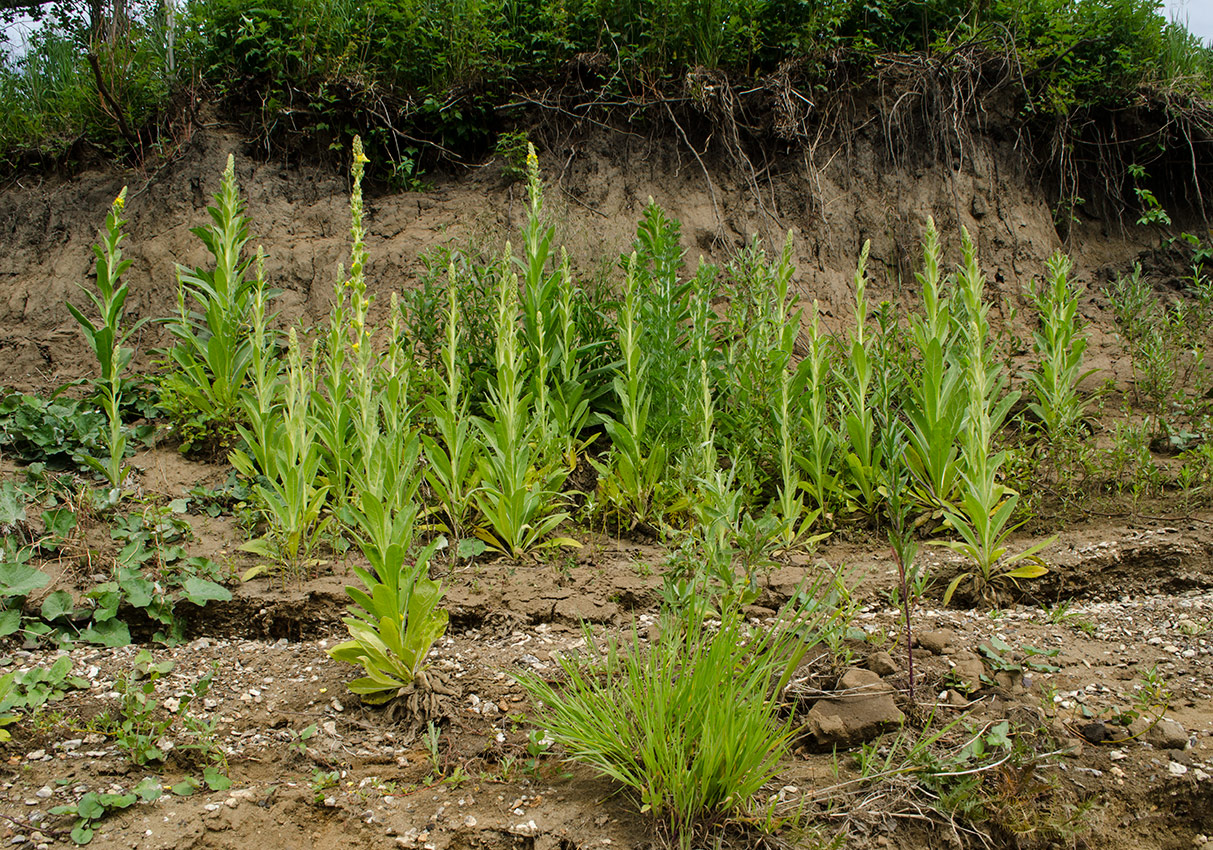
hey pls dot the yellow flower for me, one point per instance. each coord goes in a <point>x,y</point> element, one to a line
<point>120,201</point>
<point>360,157</point>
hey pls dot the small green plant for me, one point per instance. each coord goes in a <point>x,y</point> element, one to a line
<point>983,516</point>
<point>209,364</point>
<point>108,340</point>
<point>89,809</point>
<point>31,690</point>
<point>149,728</point>
<point>393,623</point>
<point>690,725</point>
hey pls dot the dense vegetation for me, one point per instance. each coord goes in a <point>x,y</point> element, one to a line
<point>427,81</point>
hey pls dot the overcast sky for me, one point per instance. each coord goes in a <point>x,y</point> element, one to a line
<point>1197,13</point>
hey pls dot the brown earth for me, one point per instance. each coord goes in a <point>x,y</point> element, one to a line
<point>1141,581</point>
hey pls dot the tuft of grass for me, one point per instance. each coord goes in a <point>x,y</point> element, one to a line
<point>691,724</point>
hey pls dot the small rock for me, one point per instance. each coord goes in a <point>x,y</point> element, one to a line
<point>36,755</point>
<point>232,802</point>
<point>968,669</point>
<point>1095,732</point>
<point>72,744</point>
<point>44,792</point>
<point>528,829</point>
<point>1163,735</point>
<point>938,642</point>
<point>862,710</point>
<point>1177,769</point>
<point>1183,757</point>
<point>469,821</point>
<point>882,664</point>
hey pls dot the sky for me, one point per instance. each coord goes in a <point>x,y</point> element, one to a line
<point>1198,15</point>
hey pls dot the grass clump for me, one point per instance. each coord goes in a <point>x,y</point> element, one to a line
<point>691,724</point>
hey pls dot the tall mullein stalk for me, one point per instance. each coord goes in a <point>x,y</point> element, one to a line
<point>1059,343</point>
<point>107,338</point>
<point>821,441</point>
<point>452,457</point>
<point>517,499</point>
<point>787,324</point>
<point>986,508</point>
<point>937,305</point>
<point>862,462</point>
<point>366,405</point>
<point>396,378</point>
<point>331,405</point>
<point>291,499</point>
<point>540,310</point>
<point>703,449</point>
<point>633,477</point>
<point>936,408</point>
<point>262,399</point>
<point>570,409</point>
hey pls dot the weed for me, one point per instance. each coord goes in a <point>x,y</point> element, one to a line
<point>108,339</point>
<point>688,724</point>
<point>393,623</point>
<point>210,361</point>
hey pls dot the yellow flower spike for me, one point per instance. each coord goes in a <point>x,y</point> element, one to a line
<point>120,201</point>
<point>359,157</point>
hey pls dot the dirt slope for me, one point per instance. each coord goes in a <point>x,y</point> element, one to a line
<point>599,180</point>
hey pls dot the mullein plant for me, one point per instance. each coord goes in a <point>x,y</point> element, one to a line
<point>862,460</point>
<point>289,487</point>
<point>518,498</point>
<point>795,522</point>
<point>452,456</point>
<point>108,340</point>
<point>935,408</point>
<point>1060,343</point>
<point>262,399</point>
<point>821,442</point>
<point>635,470</point>
<point>983,515</point>
<point>209,362</point>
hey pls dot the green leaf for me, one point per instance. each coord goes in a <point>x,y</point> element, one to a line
<point>470,547</point>
<point>82,834</point>
<point>10,621</point>
<point>185,787</point>
<point>57,605</point>
<point>12,504</point>
<point>139,591</point>
<point>20,580</point>
<point>59,522</point>
<point>252,572</point>
<point>107,633</point>
<point>1027,571</point>
<point>215,779</point>
<point>201,591</point>
<point>90,806</point>
<point>148,789</point>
